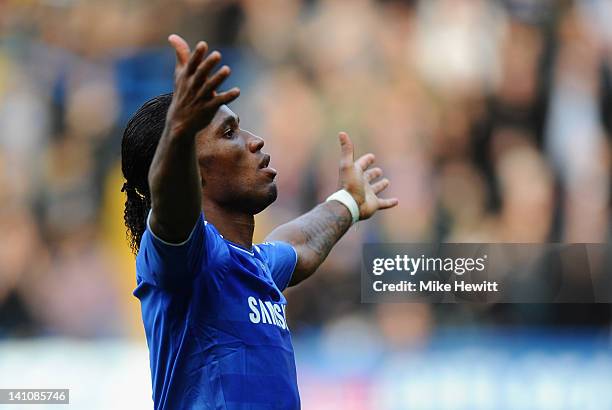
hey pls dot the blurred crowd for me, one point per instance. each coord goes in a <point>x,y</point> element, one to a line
<point>491,118</point>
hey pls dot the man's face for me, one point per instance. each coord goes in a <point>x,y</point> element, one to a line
<point>235,172</point>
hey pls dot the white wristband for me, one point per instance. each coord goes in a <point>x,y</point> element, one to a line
<point>347,200</point>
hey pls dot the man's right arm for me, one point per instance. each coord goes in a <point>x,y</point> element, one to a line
<point>174,177</point>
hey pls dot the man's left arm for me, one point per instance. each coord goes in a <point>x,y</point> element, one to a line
<point>315,233</point>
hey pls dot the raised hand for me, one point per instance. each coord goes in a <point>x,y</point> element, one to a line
<point>196,99</point>
<point>357,178</point>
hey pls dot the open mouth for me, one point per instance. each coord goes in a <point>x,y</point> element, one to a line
<point>265,161</point>
<point>263,165</point>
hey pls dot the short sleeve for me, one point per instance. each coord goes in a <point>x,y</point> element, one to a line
<point>164,264</point>
<point>281,259</point>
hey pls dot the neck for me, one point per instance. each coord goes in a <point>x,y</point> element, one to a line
<point>235,226</point>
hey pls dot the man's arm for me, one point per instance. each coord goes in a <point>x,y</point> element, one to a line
<point>174,177</point>
<point>315,233</point>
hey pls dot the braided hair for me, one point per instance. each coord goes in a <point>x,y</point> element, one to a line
<point>138,145</point>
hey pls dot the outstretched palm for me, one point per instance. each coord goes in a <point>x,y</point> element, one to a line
<point>357,177</point>
<point>196,99</point>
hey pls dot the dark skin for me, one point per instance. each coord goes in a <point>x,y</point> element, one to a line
<point>206,161</point>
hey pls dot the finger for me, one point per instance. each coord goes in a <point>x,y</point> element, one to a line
<point>372,174</point>
<point>365,161</point>
<point>181,48</point>
<point>346,147</point>
<point>196,57</point>
<point>380,186</point>
<point>227,96</point>
<point>214,82</point>
<point>205,67</point>
<point>384,203</point>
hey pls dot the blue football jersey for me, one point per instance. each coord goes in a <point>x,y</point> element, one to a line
<point>214,318</point>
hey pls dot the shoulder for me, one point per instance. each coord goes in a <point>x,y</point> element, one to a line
<point>281,258</point>
<point>271,252</point>
<point>158,261</point>
<point>273,246</point>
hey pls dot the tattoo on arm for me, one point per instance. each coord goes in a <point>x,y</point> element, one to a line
<point>313,235</point>
<point>325,227</point>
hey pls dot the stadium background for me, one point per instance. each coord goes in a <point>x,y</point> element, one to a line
<point>492,119</point>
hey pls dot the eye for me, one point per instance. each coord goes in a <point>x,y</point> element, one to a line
<point>228,133</point>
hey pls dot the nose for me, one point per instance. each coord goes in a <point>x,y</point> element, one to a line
<point>255,143</point>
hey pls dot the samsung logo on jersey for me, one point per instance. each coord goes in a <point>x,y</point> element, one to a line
<point>267,312</point>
